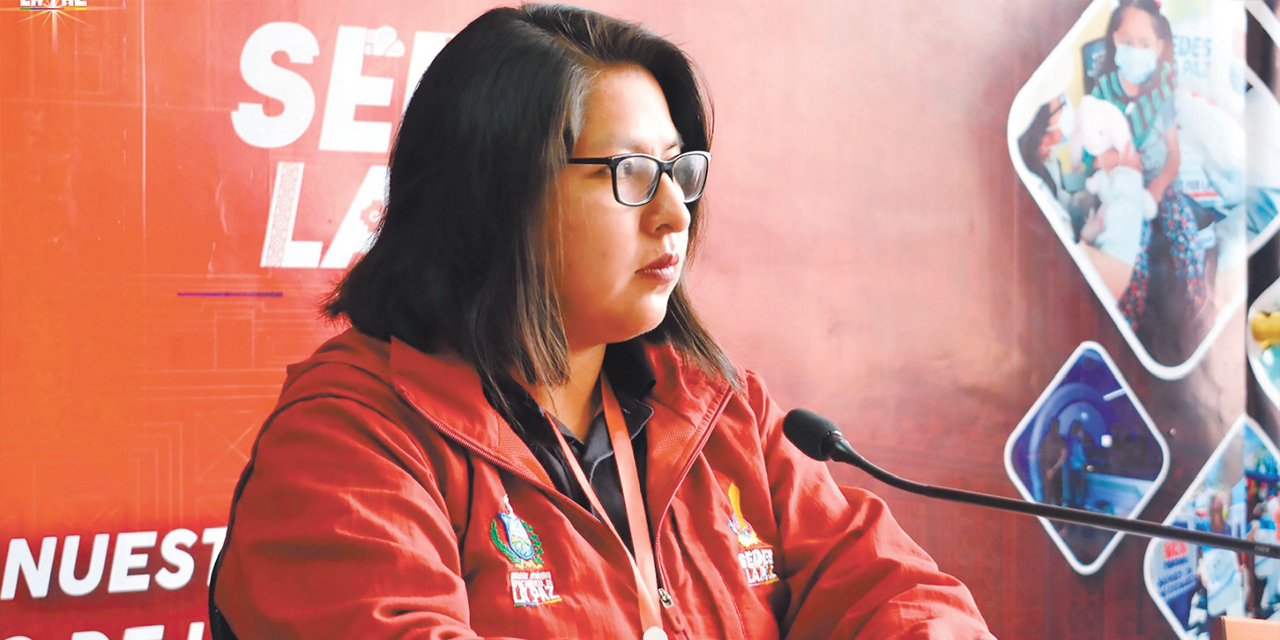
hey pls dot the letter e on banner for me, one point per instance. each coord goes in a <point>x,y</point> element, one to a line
<point>125,560</point>
<point>348,89</point>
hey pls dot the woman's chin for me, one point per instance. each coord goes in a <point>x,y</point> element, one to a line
<point>619,323</point>
<point>640,324</point>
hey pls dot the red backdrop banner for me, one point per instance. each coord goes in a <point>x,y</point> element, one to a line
<point>182,180</point>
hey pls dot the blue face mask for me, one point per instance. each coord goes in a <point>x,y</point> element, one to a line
<point>1136,65</point>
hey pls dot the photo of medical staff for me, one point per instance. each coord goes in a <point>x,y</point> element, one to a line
<point>1131,138</point>
<point>1087,443</point>
<point>1235,494</point>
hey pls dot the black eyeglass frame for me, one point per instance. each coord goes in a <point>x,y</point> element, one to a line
<point>664,167</point>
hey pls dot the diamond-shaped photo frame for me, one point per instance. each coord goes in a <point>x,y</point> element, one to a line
<point>1236,493</point>
<point>1087,443</point>
<point>1162,238</point>
<point>1262,121</point>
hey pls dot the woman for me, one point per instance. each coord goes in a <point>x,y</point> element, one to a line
<point>528,432</point>
<point>1167,298</point>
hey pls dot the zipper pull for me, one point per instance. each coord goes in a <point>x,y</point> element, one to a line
<point>665,598</point>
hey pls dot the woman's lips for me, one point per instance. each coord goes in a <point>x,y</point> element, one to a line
<point>663,270</point>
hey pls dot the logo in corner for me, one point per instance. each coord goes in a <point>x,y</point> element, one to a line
<point>530,582</point>
<point>756,557</point>
<point>52,12</point>
<point>52,5</point>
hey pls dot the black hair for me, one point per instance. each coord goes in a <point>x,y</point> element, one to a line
<point>1029,145</point>
<point>1164,31</point>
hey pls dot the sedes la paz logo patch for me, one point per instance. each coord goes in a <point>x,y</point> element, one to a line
<point>756,558</point>
<point>530,582</point>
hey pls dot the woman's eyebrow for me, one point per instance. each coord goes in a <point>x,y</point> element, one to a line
<point>631,145</point>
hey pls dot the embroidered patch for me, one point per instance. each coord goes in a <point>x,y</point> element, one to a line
<point>530,582</point>
<point>756,557</point>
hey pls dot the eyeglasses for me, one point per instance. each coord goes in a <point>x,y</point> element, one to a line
<point>636,175</point>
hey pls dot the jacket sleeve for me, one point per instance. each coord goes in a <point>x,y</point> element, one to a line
<point>339,530</point>
<point>852,571</point>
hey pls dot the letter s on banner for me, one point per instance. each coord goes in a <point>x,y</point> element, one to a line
<point>249,119</point>
<point>175,551</point>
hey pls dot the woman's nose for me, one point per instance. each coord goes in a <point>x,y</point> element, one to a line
<point>667,209</point>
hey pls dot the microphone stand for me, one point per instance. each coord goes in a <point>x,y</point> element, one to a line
<point>839,449</point>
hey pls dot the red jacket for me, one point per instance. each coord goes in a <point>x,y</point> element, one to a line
<point>386,499</point>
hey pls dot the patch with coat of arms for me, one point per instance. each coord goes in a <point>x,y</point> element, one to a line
<point>756,557</point>
<point>530,581</point>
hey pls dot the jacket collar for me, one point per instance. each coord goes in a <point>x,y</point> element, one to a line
<point>686,402</point>
<point>448,392</point>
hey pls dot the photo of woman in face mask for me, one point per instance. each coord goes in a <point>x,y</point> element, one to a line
<point>1130,136</point>
<point>1050,130</point>
<point>1167,297</point>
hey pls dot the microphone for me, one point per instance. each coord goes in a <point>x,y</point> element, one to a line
<point>820,439</point>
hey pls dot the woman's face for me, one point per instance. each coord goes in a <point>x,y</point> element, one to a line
<point>617,264</point>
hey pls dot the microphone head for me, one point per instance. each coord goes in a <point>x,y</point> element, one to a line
<point>809,431</point>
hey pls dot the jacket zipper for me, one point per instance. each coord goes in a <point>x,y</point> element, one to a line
<point>665,597</point>
<point>663,594</point>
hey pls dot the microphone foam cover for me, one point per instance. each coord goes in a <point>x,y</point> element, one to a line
<point>808,431</point>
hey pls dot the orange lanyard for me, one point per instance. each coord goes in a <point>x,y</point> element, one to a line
<point>642,562</point>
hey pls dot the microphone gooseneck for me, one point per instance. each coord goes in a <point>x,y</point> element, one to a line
<point>820,439</point>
